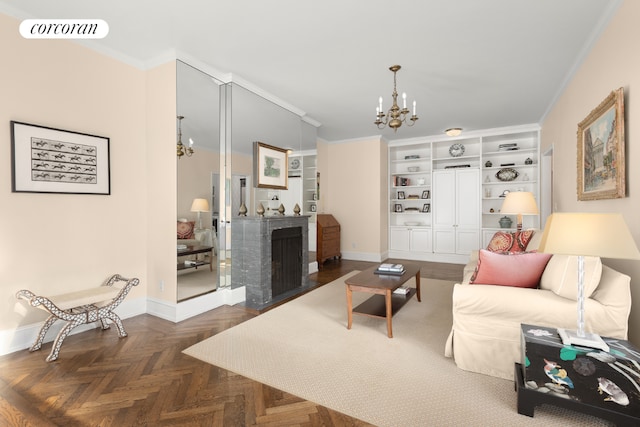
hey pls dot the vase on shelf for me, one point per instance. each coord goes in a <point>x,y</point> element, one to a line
<point>505,222</point>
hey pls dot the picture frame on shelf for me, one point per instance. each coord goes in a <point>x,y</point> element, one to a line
<point>601,151</point>
<point>312,207</point>
<point>401,195</point>
<point>426,208</point>
<point>426,194</point>
<point>50,160</point>
<point>270,166</point>
<point>397,208</point>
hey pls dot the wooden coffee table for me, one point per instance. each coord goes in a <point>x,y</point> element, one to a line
<point>195,250</point>
<point>385,303</point>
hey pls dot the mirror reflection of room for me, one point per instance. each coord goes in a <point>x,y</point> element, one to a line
<point>197,180</point>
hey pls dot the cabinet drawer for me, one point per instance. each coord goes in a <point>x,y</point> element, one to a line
<point>330,247</point>
<point>331,233</point>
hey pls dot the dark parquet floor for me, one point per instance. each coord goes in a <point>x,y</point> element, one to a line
<point>145,380</point>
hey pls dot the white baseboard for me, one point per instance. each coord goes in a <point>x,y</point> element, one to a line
<point>21,338</point>
<point>363,256</point>
<point>177,312</point>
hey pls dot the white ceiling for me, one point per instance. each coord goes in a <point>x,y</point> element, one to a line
<point>474,64</point>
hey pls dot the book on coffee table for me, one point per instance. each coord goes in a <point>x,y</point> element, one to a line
<point>395,269</point>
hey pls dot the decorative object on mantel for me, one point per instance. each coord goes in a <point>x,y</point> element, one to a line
<point>453,131</point>
<point>296,209</point>
<point>505,222</point>
<point>507,174</point>
<point>488,164</point>
<point>243,210</point>
<point>601,152</point>
<point>281,209</point>
<point>260,210</point>
<point>395,116</point>
<point>456,150</point>
<point>181,149</point>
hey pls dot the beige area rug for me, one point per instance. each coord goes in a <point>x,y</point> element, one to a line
<point>303,347</point>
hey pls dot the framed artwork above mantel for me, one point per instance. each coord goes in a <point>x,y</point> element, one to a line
<point>270,166</point>
<point>601,151</point>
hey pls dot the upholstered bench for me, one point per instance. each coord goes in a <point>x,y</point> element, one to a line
<point>78,308</point>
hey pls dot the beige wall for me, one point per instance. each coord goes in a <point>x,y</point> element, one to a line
<point>160,215</point>
<point>351,190</point>
<point>611,64</point>
<point>54,243</point>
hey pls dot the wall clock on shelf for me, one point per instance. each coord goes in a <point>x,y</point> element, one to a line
<point>456,150</point>
<point>294,166</point>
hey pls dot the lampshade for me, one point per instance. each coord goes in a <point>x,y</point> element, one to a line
<point>604,235</point>
<point>200,205</point>
<point>519,202</point>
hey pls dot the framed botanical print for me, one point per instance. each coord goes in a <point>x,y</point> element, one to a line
<point>270,166</point>
<point>601,151</point>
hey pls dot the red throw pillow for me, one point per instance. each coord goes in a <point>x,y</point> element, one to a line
<point>510,242</point>
<point>521,270</point>
<point>185,229</point>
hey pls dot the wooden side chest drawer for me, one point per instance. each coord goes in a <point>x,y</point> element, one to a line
<point>327,238</point>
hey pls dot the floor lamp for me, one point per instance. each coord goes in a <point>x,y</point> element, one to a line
<point>587,234</point>
<point>519,203</point>
<point>200,205</point>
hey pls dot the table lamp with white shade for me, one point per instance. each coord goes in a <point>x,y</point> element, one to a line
<point>519,203</point>
<point>200,205</point>
<point>604,235</point>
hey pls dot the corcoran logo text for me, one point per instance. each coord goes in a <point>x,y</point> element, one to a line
<point>64,29</point>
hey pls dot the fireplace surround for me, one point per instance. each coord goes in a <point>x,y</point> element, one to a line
<point>270,275</point>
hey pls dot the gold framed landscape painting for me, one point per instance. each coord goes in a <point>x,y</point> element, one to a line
<point>601,152</point>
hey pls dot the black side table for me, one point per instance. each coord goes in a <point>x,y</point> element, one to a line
<point>594,382</point>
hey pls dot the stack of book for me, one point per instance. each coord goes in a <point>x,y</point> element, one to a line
<point>402,290</point>
<point>395,269</point>
<point>508,147</point>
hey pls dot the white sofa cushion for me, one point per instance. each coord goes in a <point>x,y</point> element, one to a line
<point>561,276</point>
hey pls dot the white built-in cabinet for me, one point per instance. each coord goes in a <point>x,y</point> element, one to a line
<point>456,210</point>
<point>445,194</point>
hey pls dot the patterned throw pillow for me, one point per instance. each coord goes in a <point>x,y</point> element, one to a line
<point>502,242</point>
<point>185,229</point>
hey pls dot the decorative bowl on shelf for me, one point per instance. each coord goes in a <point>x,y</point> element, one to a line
<point>507,174</point>
<point>412,223</point>
<point>413,168</point>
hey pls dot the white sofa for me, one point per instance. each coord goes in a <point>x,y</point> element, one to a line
<point>485,335</point>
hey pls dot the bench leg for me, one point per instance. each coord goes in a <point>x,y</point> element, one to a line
<point>61,336</point>
<point>116,319</point>
<point>43,331</point>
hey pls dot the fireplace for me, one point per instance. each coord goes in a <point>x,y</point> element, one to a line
<point>270,257</point>
<point>286,260</point>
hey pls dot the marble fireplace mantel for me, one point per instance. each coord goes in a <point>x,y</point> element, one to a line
<point>251,266</point>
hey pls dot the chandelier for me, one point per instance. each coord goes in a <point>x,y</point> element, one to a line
<point>395,116</point>
<point>181,149</point>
